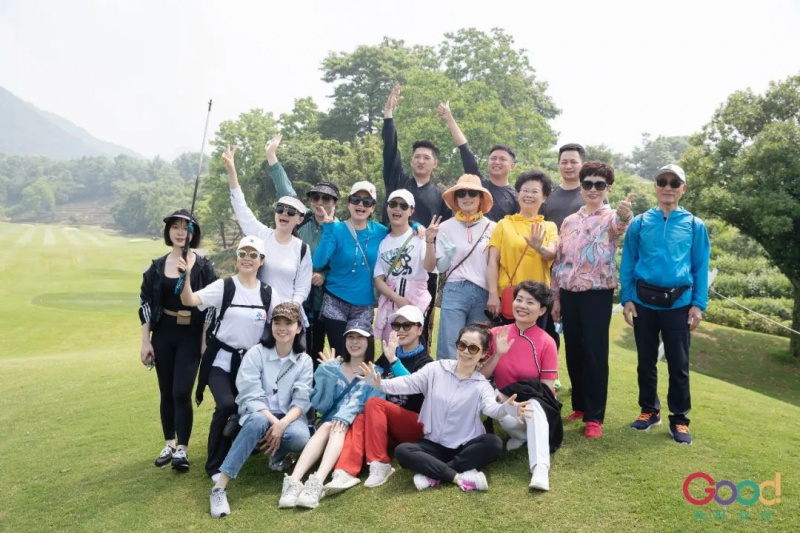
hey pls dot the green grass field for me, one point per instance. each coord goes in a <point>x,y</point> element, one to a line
<point>80,426</point>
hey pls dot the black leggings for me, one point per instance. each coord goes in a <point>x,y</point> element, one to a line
<point>177,356</point>
<point>315,338</point>
<point>221,387</point>
<point>439,462</point>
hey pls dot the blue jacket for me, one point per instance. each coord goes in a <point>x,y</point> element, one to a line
<point>329,383</point>
<point>667,253</point>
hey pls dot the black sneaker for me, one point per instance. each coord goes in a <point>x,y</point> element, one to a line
<point>680,433</point>
<point>646,421</point>
<point>180,461</point>
<point>165,456</point>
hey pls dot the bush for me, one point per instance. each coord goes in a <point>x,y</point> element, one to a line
<point>755,284</point>
<point>725,313</point>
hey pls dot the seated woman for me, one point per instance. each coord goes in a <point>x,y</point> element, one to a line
<point>274,385</point>
<point>400,275</point>
<point>238,328</point>
<point>340,397</point>
<point>390,421</point>
<point>455,445</point>
<point>525,361</point>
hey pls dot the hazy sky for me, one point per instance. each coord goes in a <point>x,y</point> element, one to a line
<point>139,73</point>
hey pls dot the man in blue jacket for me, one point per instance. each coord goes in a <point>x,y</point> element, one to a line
<point>664,278</point>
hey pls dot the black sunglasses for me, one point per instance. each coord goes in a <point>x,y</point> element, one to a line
<point>402,205</point>
<point>317,197</point>
<point>280,208</point>
<point>675,183</point>
<point>599,185</point>
<point>367,201</point>
<point>462,346</point>
<point>463,193</point>
<point>241,254</point>
<point>405,326</point>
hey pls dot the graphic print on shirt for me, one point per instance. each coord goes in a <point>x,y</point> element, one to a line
<point>402,263</point>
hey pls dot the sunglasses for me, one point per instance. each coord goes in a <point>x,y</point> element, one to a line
<point>317,197</point>
<point>402,205</point>
<point>241,254</point>
<point>405,326</point>
<point>675,183</point>
<point>291,211</point>
<point>367,201</point>
<point>463,193</point>
<point>599,185</point>
<point>472,349</point>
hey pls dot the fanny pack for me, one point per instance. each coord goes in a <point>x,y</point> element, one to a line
<point>182,317</point>
<point>658,296</point>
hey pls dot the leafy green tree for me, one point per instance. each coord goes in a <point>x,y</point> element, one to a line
<point>186,164</point>
<point>655,153</point>
<point>302,121</point>
<point>744,167</point>
<point>603,153</point>
<point>39,198</point>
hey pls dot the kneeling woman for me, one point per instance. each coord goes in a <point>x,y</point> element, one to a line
<point>524,362</point>
<point>340,396</point>
<point>455,445</point>
<point>240,325</point>
<point>274,385</point>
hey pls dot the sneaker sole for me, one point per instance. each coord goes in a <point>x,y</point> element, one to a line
<point>181,468</point>
<point>328,491</point>
<point>648,427</point>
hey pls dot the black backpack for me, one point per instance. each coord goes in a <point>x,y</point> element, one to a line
<point>228,292</point>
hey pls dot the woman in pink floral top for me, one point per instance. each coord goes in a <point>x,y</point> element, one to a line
<point>583,282</point>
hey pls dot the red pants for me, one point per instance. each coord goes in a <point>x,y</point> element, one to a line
<point>382,423</point>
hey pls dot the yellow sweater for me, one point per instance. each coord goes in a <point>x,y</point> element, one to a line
<point>509,238</point>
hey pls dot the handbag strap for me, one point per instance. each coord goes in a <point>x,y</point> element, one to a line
<point>511,277</point>
<point>477,241</point>
<point>335,404</point>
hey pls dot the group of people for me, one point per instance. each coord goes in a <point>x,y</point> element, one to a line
<point>517,264</point>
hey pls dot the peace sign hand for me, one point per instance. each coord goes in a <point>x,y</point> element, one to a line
<point>624,209</point>
<point>536,240</point>
<point>433,229</point>
<point>228,159</point>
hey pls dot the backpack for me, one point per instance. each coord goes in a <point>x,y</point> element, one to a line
<point>228,291</point>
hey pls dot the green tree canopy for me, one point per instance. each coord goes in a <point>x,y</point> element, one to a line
<point>655,153</point>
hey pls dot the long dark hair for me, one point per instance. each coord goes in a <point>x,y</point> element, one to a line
<point>298,345</point>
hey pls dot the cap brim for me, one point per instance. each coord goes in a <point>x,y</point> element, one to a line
<point>359,331</point>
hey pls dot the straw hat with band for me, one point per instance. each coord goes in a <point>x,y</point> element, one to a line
<point>468,182</point>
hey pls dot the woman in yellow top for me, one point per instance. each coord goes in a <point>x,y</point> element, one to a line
<point>522,246</point>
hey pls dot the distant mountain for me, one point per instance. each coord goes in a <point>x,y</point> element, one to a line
<point>27,130</point>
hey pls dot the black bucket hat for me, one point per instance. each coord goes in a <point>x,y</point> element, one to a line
<point>185,215</point>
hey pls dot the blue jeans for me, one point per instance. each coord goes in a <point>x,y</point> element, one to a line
<point>463,303</point>
<point>293,440</point>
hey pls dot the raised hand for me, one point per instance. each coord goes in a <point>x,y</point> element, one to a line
<point>368,371</point>
<point>183,265</point>
<point>501,342</point>
<point>327,218</point>
<point>444,112</point>
<point>228,159</point>
<point>390,347</point>
<point>391,102</point>
<point>433,230</point>
<point>327,355</point>
<point>524,411</point>
<point>536,240</point>
<point>272,148</point>
<point>624,208</point>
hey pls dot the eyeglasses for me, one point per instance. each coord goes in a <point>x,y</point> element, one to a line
<point>365,200</point>
<point>280,208</point>
<point>317,197</point>
<point>599,185</point>
<point>462,346</point>
<point>405,326</point>
<point>463,193</point>
<point>675,183</point>
<point>241,254</point>
<point>402,205</point>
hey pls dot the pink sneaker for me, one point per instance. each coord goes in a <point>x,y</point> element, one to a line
<point>576,415</point>
<point>593,430</point>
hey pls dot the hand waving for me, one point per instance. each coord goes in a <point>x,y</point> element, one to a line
<point>272,148</point>
<point>327,355</point>
<point>536,240</point>
<point>392,102</point>
<point>501,342</point>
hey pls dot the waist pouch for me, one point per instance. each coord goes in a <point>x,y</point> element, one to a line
<point>658,296</point>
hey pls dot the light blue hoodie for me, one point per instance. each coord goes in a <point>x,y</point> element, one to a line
<point>329,383</point>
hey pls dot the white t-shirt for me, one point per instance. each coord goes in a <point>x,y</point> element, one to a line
<point>474,269</point>
<point>241,327</point>
<point>409,265</point>
<point>289,277</point>
<point>273,403</point>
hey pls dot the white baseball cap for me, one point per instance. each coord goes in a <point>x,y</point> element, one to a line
<point>411,313</point>
<point>291,201</point>
<point>364,186</point>
<point>671,169</point>
<point>252,242</point>
<point>404,194</point>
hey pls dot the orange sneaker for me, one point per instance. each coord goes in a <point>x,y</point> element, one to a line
<point>576,415</point>
<point>593,430</point>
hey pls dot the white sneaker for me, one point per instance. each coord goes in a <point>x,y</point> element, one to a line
<point>219,503</point>
<point>514,444</point>
<point>180,460</point>
<point>341,481</point>
<point>378,474</point>
<point>215,478</point>
<point>165,456</point>
<point>424,482</point>
<point>289,493</point>
<point>473,480</point>
<point>540,479</point>
<point>311,494</point>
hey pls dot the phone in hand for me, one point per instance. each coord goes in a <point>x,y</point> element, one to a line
<point>150,362</point>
